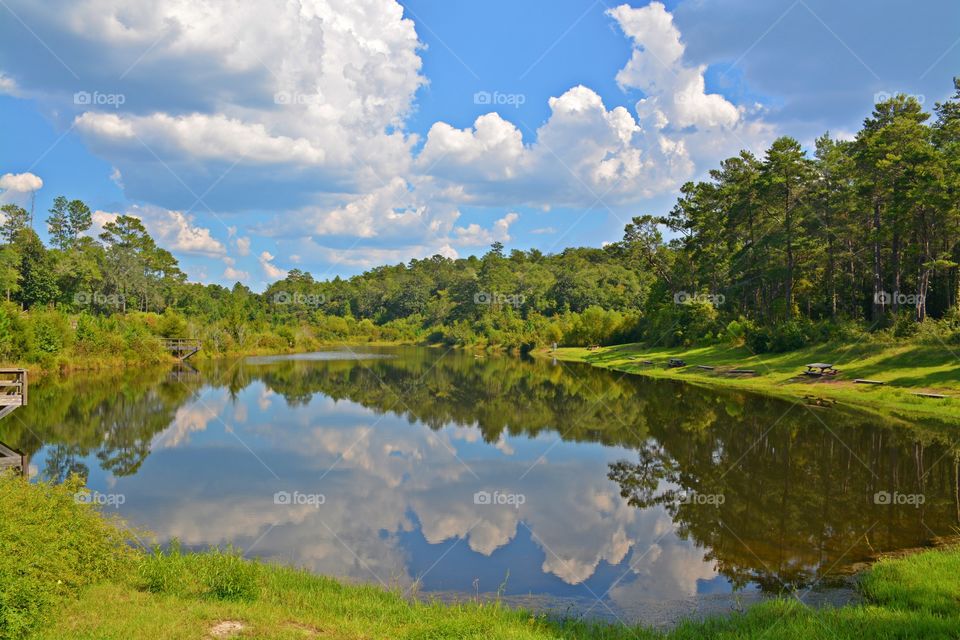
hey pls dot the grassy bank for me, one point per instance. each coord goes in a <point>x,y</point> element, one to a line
<point>67,572</point>
<point>905,369</point>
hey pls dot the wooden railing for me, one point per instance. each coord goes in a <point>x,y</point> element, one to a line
<point>13,390</point>
<point>13,395</point>
<point>12,459</point>
<point>182,348</point>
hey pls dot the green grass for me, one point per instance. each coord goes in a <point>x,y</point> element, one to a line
<point>904,369</point>
<point>67,573</point>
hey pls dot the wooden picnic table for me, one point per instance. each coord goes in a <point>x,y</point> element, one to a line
<point>819,369</point>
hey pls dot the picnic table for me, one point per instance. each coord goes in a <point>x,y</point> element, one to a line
<point>820,369</point>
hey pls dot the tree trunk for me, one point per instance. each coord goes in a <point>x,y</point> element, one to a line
<point>877,284</point>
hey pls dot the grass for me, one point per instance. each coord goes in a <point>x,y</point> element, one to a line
<point>903,368</point>
<point>66,572</point>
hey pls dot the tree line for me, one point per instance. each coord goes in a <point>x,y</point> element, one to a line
<point>777,251</point>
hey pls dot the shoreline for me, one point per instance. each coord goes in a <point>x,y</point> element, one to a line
<point>927,369</point>
<point>117,589</point>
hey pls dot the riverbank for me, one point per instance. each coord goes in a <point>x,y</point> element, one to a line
<point>156,355</point>
<point>66,571</point>
<point>904,369</point>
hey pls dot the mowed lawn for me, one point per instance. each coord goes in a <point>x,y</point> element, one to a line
<point>904,369</point>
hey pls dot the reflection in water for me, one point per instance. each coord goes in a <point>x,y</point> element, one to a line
<point>641,492</point>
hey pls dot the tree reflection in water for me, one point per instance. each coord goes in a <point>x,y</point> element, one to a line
<point>798,491</point>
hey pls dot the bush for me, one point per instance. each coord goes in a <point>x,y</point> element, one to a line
<point>172,325</point>
<point>50,333</point>
<point>905,325</point>
<point>786,336</point>
<point>51,546</point>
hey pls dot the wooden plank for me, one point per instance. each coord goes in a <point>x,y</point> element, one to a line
<point>865,381</point>
<point>11,401</point>
<point>741,371</point>
<point>703,366</point>
<point>930,395</point>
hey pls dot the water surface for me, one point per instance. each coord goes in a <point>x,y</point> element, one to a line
<point>562,487</point>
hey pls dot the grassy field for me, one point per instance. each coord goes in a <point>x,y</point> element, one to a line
<point>905,369</point>
<point>67,572</point>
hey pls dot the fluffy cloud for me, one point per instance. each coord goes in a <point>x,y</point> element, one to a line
<point>301,109</point>
<point>172,230</point>
<point>272,271</point>
<point>201,137</point>
<point>15,185</point>
<point>243,246</point>
<point>231,273</point>
<point>474,235</point>
<point>318,90</point>
<point>8,86</point>
<point>365,257</point>
<point>583,152</point>
<point>676,91</point>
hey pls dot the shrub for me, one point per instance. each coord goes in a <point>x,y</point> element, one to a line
<point>50,332</point>
<point>786,336</point>
<point>51,546</point>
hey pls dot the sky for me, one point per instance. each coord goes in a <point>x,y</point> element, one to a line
<point>333,136</point>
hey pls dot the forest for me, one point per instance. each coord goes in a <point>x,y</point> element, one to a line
<point>852,238</point>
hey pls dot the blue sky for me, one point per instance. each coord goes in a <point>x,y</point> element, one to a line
<point>332,136</point>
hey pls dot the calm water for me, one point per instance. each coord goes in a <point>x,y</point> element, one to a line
<point>564,487</point>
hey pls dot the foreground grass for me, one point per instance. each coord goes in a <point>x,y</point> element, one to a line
<point>66,573</point>
<point>903,368</point>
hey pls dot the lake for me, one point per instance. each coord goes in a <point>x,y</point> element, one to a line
<point>560,487</point>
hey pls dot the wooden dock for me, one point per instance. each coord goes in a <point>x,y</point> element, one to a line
<point>10,458</point>
<point>13,395</point>
<point>182,348</point>
<point>13,390</point>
